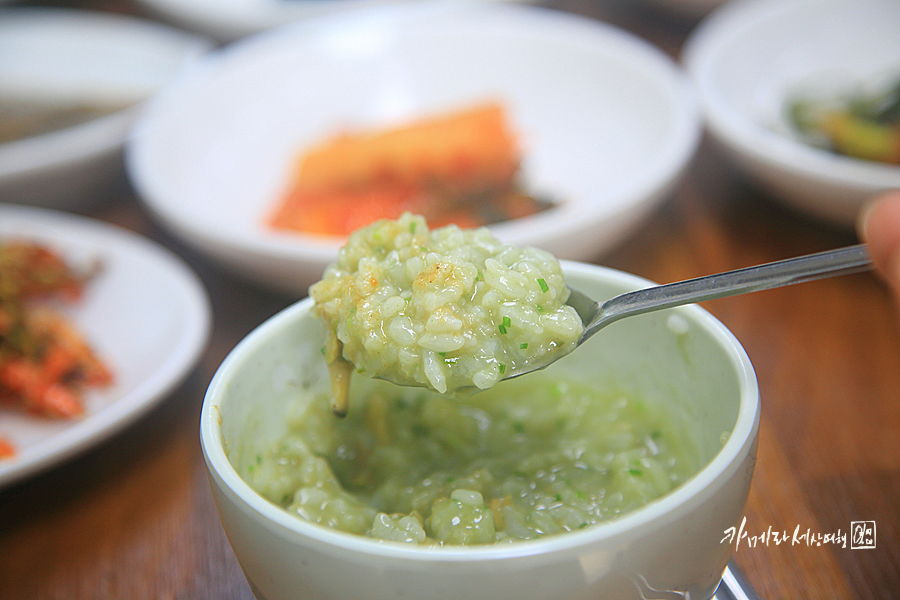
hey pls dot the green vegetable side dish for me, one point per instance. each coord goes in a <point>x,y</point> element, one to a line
<point>448,309</point>
<point>865,126</point>
<point>530,458</point>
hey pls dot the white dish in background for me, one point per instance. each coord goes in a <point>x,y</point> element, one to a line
<point>146,315</point>
<point>607,123</point>
<point>749,58</point>
<point>692,9</point>
<point>71,56</point>
<point>228,20</point>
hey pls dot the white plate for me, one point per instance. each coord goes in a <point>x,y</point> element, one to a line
<point>228,20</point>
<point>72,56</point>
<point>146,314</point>
<point>607,123</point>
<point>750,57</point>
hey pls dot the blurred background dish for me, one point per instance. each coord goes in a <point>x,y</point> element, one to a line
<point>691,9</point>
<point>606,122</point>
<point>144,313</point>
<point>71,84</point>
<point>228,20</point>
<point>751,59</point>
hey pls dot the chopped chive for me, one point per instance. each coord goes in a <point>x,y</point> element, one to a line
<point>543,284</point>
<point>523,346</point>
<point>635,471</point>
<point>412,227</point>
<point>539,308</point>
<point>518,427</point>
<point>502,368</point>
<point>507,322</point>
<point>502,329</point>
<point>559,497</point>
<point>583,525</point>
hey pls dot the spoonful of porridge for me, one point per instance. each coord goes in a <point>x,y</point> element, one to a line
<point>456,310</point>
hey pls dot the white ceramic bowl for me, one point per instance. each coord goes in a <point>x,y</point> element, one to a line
<point>74,56</point>
<point>748,58</point>
<point>672,547</point>
<point>228,20</point>
<point>607,123</point>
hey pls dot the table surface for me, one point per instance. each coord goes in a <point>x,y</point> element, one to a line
<point>134,518</point>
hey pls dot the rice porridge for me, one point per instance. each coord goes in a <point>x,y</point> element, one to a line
<point>531,457</point>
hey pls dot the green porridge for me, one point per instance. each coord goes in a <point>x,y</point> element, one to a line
<point>529,458</point>
<point>447,309</point>
<point>443,311</point>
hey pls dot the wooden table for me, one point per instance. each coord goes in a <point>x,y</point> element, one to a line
<point>133,517</point>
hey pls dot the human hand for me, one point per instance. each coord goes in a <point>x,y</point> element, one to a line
<point>879,226</point>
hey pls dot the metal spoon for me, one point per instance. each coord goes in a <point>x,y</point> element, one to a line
<point>596,316</point>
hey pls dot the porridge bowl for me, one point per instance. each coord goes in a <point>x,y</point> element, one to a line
<point>690,391</point>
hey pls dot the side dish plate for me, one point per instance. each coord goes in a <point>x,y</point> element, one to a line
<point>751,57</point>
<point>606,123</point>
<point>228,20</point>
<point>145,313</point>
<point>80,59</point>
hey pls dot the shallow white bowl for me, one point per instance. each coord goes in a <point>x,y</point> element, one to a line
<point>607,123</point>
<point>146,314</point>
<point>228,20</point>
<point>76,56</point>
<point>748,58</point>
<point>672,547</point>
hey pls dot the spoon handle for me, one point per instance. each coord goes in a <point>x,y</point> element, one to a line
<point>852,259</point>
